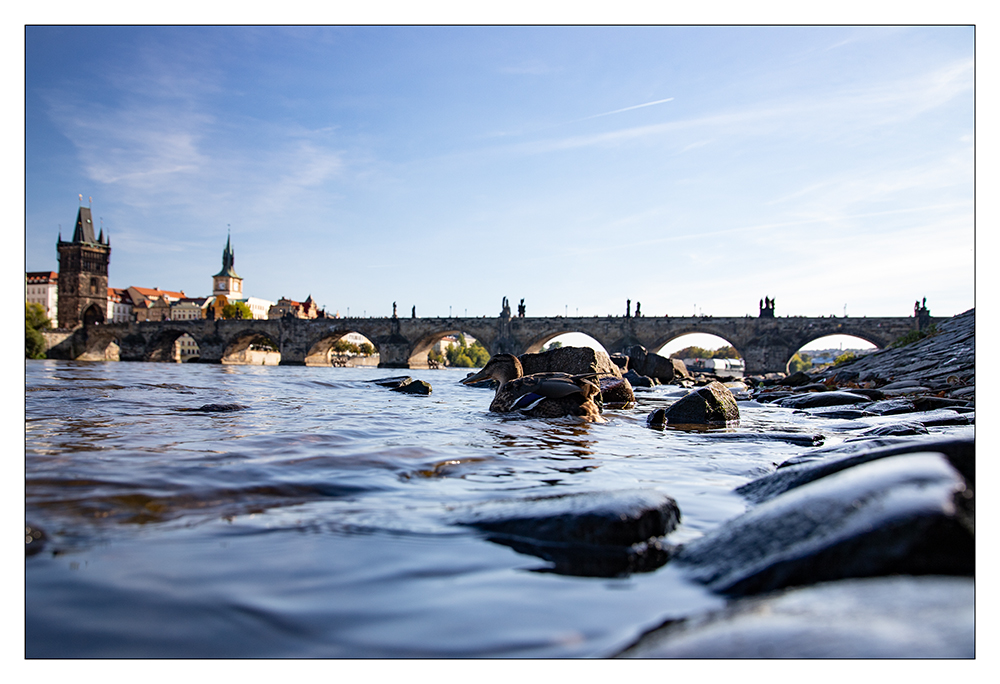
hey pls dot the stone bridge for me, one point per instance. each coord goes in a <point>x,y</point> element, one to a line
<point>766,343</point>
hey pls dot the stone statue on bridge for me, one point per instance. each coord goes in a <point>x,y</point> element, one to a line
<point>520,309</point>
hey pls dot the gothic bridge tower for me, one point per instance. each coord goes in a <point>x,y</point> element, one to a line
<point>226,283</point>
<point>83,274</point>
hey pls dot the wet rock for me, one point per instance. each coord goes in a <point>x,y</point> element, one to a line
<point>891,617</point>
<point>34,539</point>
<point>636,380</point>
<point>909,514</point>
<point>934,403</point>
<point>842,414</point>
<point>587,560</point>
<point>616,393</point>
<point>820,463</point>
<point>414,387</point>
<point>819,399</point>
<point>904,392</point>
<point>216,408</point>
<point>895,429</point>
<point>891,407</point>
<point>772,396</point>
<point>943,417</point>
<point>712,404</point>
<point>796,379</point>
<point>621,361</point>
<point>873,394</point>
<point>618,518</point>
<point>404,384</point>
<point>393,382</point>
<point>802,439</point>
<point>658,367</point>
<point>573,360</point>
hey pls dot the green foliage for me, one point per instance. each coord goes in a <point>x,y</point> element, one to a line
<point>435,356</point>
<point>237,310</point>
<point>727,352</point>
<point>342,346</point>
<point>464,355</point>
<point>35,321</point>
<point>34,315</point>
<point>846,357</point>
<point>914,336</point>
<point>552,345</point>
<point>800,362</point>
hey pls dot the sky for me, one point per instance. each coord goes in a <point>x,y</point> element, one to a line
<point>694,169</point>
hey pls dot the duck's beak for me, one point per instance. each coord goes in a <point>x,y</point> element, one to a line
<point>481,375</point>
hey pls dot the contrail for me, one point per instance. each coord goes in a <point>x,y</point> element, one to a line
<point>617,111</point>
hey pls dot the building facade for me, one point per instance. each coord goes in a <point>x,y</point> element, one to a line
<point>42,287</point>
<point>288,307</point>
<point>83,274</point>
<point>119,305</point>
<point>152,304</point>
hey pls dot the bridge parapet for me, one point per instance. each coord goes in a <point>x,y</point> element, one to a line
<point>765,343</point>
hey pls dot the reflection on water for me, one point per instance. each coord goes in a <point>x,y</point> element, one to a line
<point>320,520</point>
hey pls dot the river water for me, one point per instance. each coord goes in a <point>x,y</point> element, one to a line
<point>320,521</point>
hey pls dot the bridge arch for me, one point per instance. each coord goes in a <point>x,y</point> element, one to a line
<point>239,349</point>
<point>319,352</point>
<point>868,336</point>
<point>726,336</point>
<point>419,350</point>
<point>538,343</point>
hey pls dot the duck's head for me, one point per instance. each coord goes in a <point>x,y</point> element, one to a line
<point>501,367</point>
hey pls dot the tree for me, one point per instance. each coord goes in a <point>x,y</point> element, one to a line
<point>800,362</point>
<point>727,352</point>
<point>553,345</point>
<point>35,321</point>
<point>465,355</point>
<point>846,357</point>
<point>237,310</point>
<point>342,346</point>
<point>366,349</point>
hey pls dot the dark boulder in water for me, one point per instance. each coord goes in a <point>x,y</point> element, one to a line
<point>961,453</point>
<point>818,399</point>
<point>572,360</point>
<point>616,393</point>
<point>637,380</point>
<point>216,408</point>
<point>404,384</point>
<point>896,429</point>
<point>712,404</point>
<point>414,387</point>
<point>614,518</point>
<point>658,367</point>
<point>605,534</point>
<point>909,514</point>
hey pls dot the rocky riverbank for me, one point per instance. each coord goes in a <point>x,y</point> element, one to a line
<point>861,550</point>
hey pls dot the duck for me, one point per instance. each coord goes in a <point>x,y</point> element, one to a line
<point>540,395</point>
